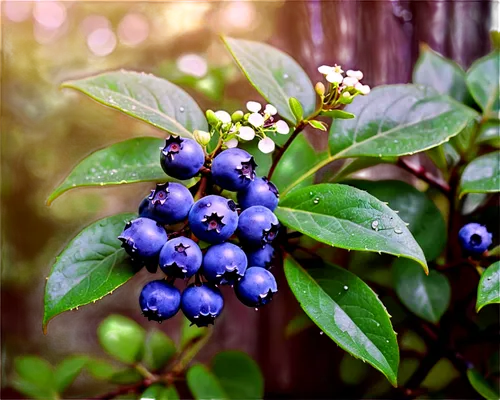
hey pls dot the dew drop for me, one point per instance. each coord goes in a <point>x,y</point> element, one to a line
<point>387,340</point>
<point>396,141</point>
<point>256,309</point>
<point>285,76</point>
<point>398,231</point>
<point>375,225</point>
<point>378,324</point>
<point>310,193</point>
<point>321,332</point>
<point>346,287</point>
<point>316,200</point>
<point>133,107</point>
<point>73,185</point>
<point>182,109</point>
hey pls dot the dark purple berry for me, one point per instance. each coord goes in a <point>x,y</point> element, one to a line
<point>143,239</point>
<point>257,287</point>
<point>180,258</point>
<point>224,263</point>
<point>202,304</point>
<point>233,169</point>
<point>181,158</point>
<point>261,192</point>
<point>257,226</point>
<point>262,257</point>
<point>159,300</point>
<point>474,238</point>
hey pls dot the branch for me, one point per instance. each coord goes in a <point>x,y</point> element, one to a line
<point>137,388</point>
<point>424,175</point>
<point>299,128</point>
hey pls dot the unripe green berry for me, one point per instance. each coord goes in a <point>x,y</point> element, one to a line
<point>212,118</point>
<point>237,116</point>
<point>202,137</point>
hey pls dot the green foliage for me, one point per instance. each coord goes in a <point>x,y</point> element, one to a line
<point>482,81</point>
<point>204,384</point>
<point>122,338</point>
<point>297,109</point>
<point>488,290</point>
<point>482,175</point>
<point>158,350</point>
<point>349,218</point>
<point>349,312</point>
<point>67,371</point>
<point>90,267</point>
<point>146,97</point>
<point>481,385</point>
<point>35,378</point>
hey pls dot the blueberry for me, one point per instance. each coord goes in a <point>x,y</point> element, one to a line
<point>143,239</point>
<point>168,204</point>
<point>159,300</point>
<point>233,169</point>
<point>224,263</point>
<point>180,258</point>
<point>474,238</point>
<point>260,192</point>
<point>262,257</point>
<point>213,219</point>
<point>181,158</point>
<point>257,287</point>
<point>202,304</point>
<point>257,226</point>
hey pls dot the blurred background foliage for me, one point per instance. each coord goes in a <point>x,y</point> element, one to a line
<point>46,131</point>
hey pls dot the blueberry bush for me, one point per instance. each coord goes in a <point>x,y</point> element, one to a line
<point>241,194</point>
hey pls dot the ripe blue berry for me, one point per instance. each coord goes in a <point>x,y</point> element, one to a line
<point>261,192</point>
<point>257,287</point>
<point>159,300</point>
<point>262,257</point>
<point>213,219</point>
<point>257,226</point>
<point>180,258</point>
<point>168,204</point>
<point>143,239</point>
<point>201,304</point>
<point>224,263</point>
<point>233,169</point>
<point>474,238</point>
<point>181,158</point>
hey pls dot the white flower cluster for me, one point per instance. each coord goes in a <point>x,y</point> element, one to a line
<point>335,76</point>
<point>257,122</point>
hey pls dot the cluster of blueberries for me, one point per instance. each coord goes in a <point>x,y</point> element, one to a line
<point>212,219</point>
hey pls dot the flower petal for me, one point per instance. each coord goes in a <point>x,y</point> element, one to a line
<point>246,133</point>
<point>266,145</point>
<point>282,127</point>
<point>350,81</point>
<point>231,143</point>
<point>223,116</point>
<point>256,120</point>
<point>334,77</point>
<point>253,106</point>
<point>325,69</point>
<point>355,74</point>
<point>270,109</point>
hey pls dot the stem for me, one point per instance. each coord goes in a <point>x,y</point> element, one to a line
<point>424,175</point>
<point>201,188</point>
<point>137,388</point>
<point>299,128</point>
<point>187,356</point>
<point>145,373</point>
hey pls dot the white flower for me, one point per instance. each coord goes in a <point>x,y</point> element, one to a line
<point>338,69</point>
<point>325,69</point>
<point>355,74</point>
<point>270,109</point>
<point>246,133</point>
<point>223,116</point>
<point>253,106</point>
<point>266,145</point>
<point>363,89</point>
<point>256,120</point>
<point>231,143</point>
<point>282,127</point>
<point>350,81</point>
<point>334,77</point>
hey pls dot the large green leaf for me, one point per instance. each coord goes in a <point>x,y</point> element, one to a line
<point>35,378</point>
<point>482,81</point>
<point>349,312</point>
<point>481,385</point>
<point>349,218</point>
<point>122,338</point>
<point>134,160</point>
<point>392,121</point>
<point>67,371</point>
<point>158,350</point>
<point>444,75</point>
<point>482,175</point>
<point>426,296</point>
<point>239,375</point>
<point>489,132</point>
<point>146,97</point>
<point>488,291</point>
<point>203,384</point>
<point>90,267</point>
<point>275,75</point>
<point>425,221</point>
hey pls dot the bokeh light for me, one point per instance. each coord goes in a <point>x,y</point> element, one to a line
<point>133,29</point>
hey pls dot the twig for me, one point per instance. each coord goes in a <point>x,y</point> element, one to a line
<point>299,128</point>
<point>424,175</point>
<point>138,387</point>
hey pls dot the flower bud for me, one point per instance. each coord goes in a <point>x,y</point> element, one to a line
<point>237,116</point>
<point>212,118</point>
<point>202,137</point>
<point>320,89</point>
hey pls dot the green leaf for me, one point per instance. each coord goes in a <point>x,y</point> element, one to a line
<point>296,108</point>
<point>67,371</point>
<point>428,297</point>
<point>426,222</point>
<point>489,132</point>
<point>190,333</point>
<point>482,81</point>
<point>158,350</point>
<point>318,125</point>
<point>481,385</point>
<point>90,267</point>
<point>126,376</point>
<point>397,120</point>
<point>349,312</point>
<point>297,160</point>
<point>337,114</point>
<point>145,97</point>
<point>35,377</point>
<point>121,338</point>
<point>444,75</point>
<point>275,75</point>
<point>349,218</point>
<point>239,375</point>
<point>488,291</point>
<point>203,384</point>
<point>134,160</point>
<point>482,175</point>
<point>101,369</point>
<point>160,392</point>
<point>297,324</point>
<point>352,371</point>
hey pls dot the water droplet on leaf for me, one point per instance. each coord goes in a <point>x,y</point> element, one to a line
<point>375,225</point>
<point>398,231</point>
